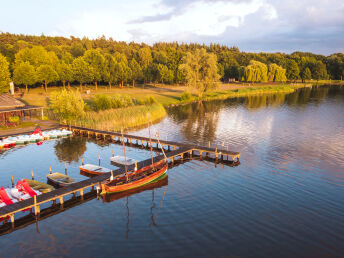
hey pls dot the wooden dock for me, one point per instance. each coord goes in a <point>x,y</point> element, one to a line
<point>175,151</point>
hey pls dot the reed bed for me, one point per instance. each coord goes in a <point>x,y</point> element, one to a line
<point>122,118</point>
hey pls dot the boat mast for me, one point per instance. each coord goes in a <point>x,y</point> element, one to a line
<point>150,141</point>
<point>125,158</point>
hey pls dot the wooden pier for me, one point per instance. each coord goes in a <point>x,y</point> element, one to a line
<point>175,151</point>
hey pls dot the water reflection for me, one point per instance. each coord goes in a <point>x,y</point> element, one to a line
<point>70,149</point>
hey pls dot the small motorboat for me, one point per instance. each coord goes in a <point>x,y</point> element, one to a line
<point>60,180</point>
<point>120,160</point>
<point>39,186</point>
<point>93,170</point>
<point>135,179</point>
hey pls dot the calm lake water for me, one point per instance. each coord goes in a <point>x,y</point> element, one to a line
<point>285,199</point>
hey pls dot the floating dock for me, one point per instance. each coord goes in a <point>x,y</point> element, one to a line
<point>174,151</point>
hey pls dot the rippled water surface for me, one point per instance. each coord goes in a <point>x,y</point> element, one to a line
<point>286,198</point>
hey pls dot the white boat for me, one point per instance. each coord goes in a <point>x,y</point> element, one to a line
<point>120,160</point>
<point>16,195</point>
<point>94,169</point>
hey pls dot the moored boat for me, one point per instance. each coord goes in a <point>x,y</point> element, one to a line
<point>93,170</point>
<point>121,160</point>
<point>59,179</point>
<point>135,179</point>
<point>39,186</point>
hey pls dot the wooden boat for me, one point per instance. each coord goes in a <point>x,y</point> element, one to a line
<point>59,179</point>
<point>39,186</point>
<point>136,179</point>
<point>158,183</point>
<point>121,160</point>
<point>93,170</point>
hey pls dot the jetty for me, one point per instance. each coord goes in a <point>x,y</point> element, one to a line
<point>174,152</point>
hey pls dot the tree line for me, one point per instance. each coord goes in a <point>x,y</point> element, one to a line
<point>29,60</point>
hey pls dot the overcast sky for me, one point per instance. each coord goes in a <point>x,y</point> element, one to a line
<point>252,25</point>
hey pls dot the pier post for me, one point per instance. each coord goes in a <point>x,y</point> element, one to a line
<point>61,200</point>
<point>99,159</point>
<point>32,176</point>
<point>49,169</point>
<point>12,181</point>
<point>82,161</point>
<point>36,207</point>
<point>65,164</point>
<point>12,220</point>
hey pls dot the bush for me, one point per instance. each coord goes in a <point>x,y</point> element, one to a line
<point>121,101</point>
<point>186,96</point>
<point>101,102</point>
<point>14,119</point>
<point>147,101</point>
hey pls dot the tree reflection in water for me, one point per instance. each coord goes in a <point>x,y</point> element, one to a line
<point>70,149</point>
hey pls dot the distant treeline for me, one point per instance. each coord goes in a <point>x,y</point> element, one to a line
<point>43,59</point>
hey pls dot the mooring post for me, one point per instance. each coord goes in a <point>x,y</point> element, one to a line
<point>35,205</point>
<point>65,168</point>
<point>113,153</point>
<point>111,178</point>
<point>12,220</point>
<point>82,193</point>
<point>99,159</point>
<point>191,154</point>
<point>135,165</point>
<point>61,200</point>
<point>12,181</point>
<point>181,156</point>
<point>32,176</point>
<point>49,169</point>
<point>82,161</point>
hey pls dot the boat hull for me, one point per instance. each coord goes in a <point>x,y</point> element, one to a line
<point>107,188</point>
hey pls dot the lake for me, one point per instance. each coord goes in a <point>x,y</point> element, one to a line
<point>285,199</point>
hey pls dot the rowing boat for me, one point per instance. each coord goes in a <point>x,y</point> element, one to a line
<point>135,179</point>
<point>93,170</point>
<point>59,179</point>
<point>39,186</point>
<point>158,183</point>
<point>121,160</point>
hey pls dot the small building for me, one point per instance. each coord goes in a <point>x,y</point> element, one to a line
<point>13,111</point>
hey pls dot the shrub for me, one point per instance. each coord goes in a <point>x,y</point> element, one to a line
<point>14,119</point>
<point>121,101</point>
<point>186,96</point>
<point>101,102</point>
<point>147,101</point>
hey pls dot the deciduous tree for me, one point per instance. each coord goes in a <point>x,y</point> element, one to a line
<point>25,74</point>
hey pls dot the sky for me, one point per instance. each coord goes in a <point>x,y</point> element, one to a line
<point>252,25</point>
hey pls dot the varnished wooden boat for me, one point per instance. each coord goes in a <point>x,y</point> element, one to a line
<point>39,186</point>
<point>158,183</point>
<point>60,180</point>
<point>93,170</point>
<point>136,179</point>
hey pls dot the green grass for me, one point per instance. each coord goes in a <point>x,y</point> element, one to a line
<point>122,118</point>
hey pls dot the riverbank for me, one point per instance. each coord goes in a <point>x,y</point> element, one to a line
<point>165,95</point>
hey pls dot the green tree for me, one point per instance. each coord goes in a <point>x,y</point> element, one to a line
<point>97,62</point>
<point>25,74</point>
<point>4,75</point>
<point>319,71</point>
<point>276,73</point>
<point>67,105</point>
<point>65,73</point>
<point>136,71</point>
<point>46,74</point>
<point>82,72</point>
<point>200,69</point>
<point>36,56</point>
<point>164,74</point>
<point>306,74</point>
<point>293,71</point>
<point>256,72</point>
<point>110,70</point>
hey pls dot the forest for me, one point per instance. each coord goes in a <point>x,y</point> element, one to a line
<point>35,60</point>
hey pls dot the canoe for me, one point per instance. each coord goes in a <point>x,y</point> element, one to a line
<point>59,179</point>
<point>39,186</point>
<point>136,179</point>
<point>120,160</point>
<point>92,170</point>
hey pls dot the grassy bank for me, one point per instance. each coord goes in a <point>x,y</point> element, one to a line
<point>122,118</point>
